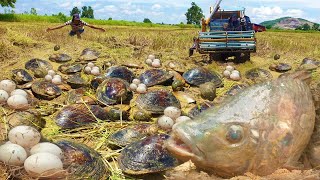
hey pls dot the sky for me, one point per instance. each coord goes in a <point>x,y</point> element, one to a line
<point>173,11</point>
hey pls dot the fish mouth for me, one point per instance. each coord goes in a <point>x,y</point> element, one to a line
<point>181,145</point>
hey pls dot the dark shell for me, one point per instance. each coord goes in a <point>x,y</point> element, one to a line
<point>56,48</point>
<point>27,118</point>
<point>82,162</point>
<point>115,114</point>
<point>120,72</point>
<point>76,81</point>
<point>146,156</point>
<point>258,75</point>
<point>75,95</point>
<point>310,61</point>
<point>97,81</point>
<point>208,91</point>
<point>200,75</point>
<point>235,89</point>
<point>155,76</point>
<point>113,91</point>
<point>45,90</point>
<point>70,68</point>
<point>195,111</point>
<point>21,76</point>
<point>276,57</point>
<point>77,115</point>
<point>156,101</point>
<point>60,58</point>
<point>35,64</point>
<point>142,116</point>
<point>177,85</point>
<point>281,67</point>
<point>123,137</point>
<point>89,51</point>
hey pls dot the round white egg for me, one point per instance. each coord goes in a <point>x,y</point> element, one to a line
<point>136,81</point>
<point>25,136</point>
<point>12,154</point>
<point>3,96</point>
<point>95,72</point>
<point>7,85</point>
<point>48,77</point>
<point>56,81</point>
<point>156,64</point>
<point>51,73</point>
<point>157,60</point>
<point>17,102</point>
<point>165,122</point>
<point>149,61</point>
<point>133,87</point>
<point>141,89</point>
<point>142,85</point>
<point>226,73</point>
<point>95,67</point>
<point>235,76</point>
<point>182,119</point>
<point>43,164</point>
<point>151,56</point>
<point>172,65</point>
<point>87,69</point>
<point>19,92</point>
<point>235,71</point>
<point>230,68</point>
<point>47,147</point>
<point>57,76</point>
<point>172,112</point>
<point>90,64</point>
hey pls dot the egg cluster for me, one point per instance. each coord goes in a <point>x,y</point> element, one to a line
<point>152,61</point>
<point>15,98</point>
<point>53,77</point>
<point>138,87</point>
<point>24,148</point>
<point>171,117</point>
<point>92,69</point>
<point>231,73</point>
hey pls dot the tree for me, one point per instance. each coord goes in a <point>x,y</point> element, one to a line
<point>110,18</point>
<point>5,3</point>
<point>33,11</point>
<point>315,26</point>
<point>306,27</point>
<point>194,14</point>
<point>269,26</point>
<point>75,10</point>
<point>87,12</point>
<point>146,20</point>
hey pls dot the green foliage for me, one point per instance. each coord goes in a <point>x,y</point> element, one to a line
<point>61,16</point>
<point>269,26</point>
<point>194,14</point>
<point>306,27</point>
<point>110,18</point>
<point>146,20</point>
<point>33,11</point>
<point>316,27</point>
<point>87,12</point>
<point>75,10</point>
<point>5,3</point>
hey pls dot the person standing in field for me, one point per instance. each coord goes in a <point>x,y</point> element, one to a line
<point>77,26</point>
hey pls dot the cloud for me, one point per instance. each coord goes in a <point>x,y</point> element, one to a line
<point>268,13</point>
<point>156,7</point>
<point>107,9</point>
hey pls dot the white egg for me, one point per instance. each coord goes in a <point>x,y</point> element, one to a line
<point>133,87</point>
<point>7,85</point>
<point>230,68</point>
<point>156,64</point>
<point>182,119</point>
<point>90,64</point>
<point>149,62</point>
<point>136,81</point>
<point>172,112</point>
<point>95,72</point>
<point>47,147</point>
<point>48,77</point>
<point>142,85</point>
<point>51,73</point>
<point>151,56</point>
<point>226,73</point>
<point>17,102</point>
<point>157,60</point>
<point>19,92</point>
<point>56,81</point>
<point>25,136</point>
<point>57,76</point>
<point>235,71</point>
<point>43,164</point>
<point>172,65</point>
<point>87,70</point>
<point>95,67</point>
<point>141,89</point>
<point>3,96</point>
<point>165,122</point>
<point>235,76</point>
<point>12,154</point>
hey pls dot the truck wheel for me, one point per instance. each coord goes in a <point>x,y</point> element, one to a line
<point>218,57</point>
<point>242,57</point>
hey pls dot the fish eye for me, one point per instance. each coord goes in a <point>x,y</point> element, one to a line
<point>234,134</point>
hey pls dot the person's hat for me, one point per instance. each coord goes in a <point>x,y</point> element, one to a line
<point>76,17</point>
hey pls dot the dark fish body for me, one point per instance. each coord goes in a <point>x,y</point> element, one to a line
<point>261,129</point>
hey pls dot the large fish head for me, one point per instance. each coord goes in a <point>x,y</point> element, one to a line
<point>223,147</point>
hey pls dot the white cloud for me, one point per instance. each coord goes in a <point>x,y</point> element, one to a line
<point>156,7</point>
<point>264,13</point>
<point>107,9</point>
